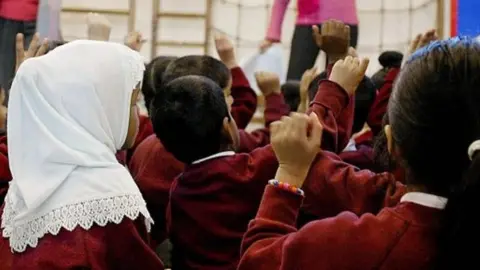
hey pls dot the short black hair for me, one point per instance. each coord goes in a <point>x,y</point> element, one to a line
<point>188,115</point>
<point>153,76</point>
<point>200,65</point>
<point>364,98</point>
<point>53,44</point>
<point>291,93</point>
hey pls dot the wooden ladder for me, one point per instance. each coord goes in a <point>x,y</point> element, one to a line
<point>157,15</point>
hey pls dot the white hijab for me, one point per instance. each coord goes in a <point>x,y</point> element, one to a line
<point>68,113</point>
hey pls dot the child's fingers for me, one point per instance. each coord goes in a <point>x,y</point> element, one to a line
<point>364,65</point>
<point>415,42</point>
<point>34,44</point>
<point>316,130</point>
<point>43,48</point>
<point>20,51</point>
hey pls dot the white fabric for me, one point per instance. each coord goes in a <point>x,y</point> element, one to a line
<point>271,60</point>
<point>217,155</point>
<point>68,113</point>
<point>351,146</point>
<point>425,199</point>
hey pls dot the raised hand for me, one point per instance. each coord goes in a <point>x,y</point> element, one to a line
<point>134,41</point>
<point>266,44</point>
<point>268,82</point>
<point>296,141</point>
<point>225,50</point>
<point>98,27</point>
<point>348,73</point>
<point>422,40</point>
<point>36,48</point>
<point>305,82</point>
<point>333,39</point>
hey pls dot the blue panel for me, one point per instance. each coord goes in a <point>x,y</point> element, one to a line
<point>469,17</point>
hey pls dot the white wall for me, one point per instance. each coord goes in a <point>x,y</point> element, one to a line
<point>246,20</point>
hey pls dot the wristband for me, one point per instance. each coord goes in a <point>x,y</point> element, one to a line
<point>287,187</point>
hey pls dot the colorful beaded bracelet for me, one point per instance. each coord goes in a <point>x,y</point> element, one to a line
<point>286,186</point>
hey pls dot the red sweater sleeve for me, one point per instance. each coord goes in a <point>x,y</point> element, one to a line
<point>379,106</point>
<point>244,98</point>
<point>328,104</point>
<point>344,121</point>
<point>273,242</point>
<point>275,108</point>
<point>333,186</point>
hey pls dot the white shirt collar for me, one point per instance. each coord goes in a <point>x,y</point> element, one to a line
<point>425,199</point>
<point>217,155</point>
<point>351,146</point>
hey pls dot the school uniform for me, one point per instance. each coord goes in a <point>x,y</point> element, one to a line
<point>71,205</point>
<point>213,200</point>
<point>114,246</point>
<point>401,237</point>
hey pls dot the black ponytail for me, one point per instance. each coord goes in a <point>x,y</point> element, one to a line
<point>460,234</point>
<point>434,112</point>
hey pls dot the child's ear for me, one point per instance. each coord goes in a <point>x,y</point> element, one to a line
<point>388,134</point>
<point>227,132</point>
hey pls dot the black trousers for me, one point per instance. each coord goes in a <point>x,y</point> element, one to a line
<point>304,51</point>
<point>8,31</point>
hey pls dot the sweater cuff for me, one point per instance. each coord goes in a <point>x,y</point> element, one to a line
<point>332,95</point>
<point>280,205</point>
<point>238,77</point>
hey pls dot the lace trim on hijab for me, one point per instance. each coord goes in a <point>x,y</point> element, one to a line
<point>84,214</point>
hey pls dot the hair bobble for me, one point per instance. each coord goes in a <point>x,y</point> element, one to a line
<point>474,147</point>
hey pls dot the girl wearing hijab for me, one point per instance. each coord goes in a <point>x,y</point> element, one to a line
<point>70,204</point>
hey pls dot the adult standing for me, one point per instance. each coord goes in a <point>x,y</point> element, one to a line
<point>304,50</point>
<point>16,16</point>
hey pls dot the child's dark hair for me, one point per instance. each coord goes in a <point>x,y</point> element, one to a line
<point>434,115</point>
<point>53,44</point>
<point>152,77</point>
<point>188,115</point>
<point>388,60</point>
<point>364,98</point>
<point>200,65</point>
<point>291,93</point>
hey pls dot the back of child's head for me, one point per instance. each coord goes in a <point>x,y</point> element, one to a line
<point>435,117</point>
<point>53,44</point>
<point>188,117</point>
<point>153,76</point>
<point>291,94</point>
<point>364,98</point>
<point>200,65</point>
<point>388,59</point>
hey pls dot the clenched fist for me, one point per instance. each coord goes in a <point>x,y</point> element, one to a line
<point>333,38</point>
<point>348,73</point>
<point>296,141</point>
<point>134,41</point>
<point>225,50</point>
<point>268,82</point>
<point>98,27</point>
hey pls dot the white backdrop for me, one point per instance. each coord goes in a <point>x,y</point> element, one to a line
<point>384,24</point>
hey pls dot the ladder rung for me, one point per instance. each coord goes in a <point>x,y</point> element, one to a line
<point>101,11</point>
<point>189,44</point>
<point>182,15</point>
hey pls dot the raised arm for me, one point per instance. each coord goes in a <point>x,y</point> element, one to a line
<point>274,31</point>
<point>244,98</point>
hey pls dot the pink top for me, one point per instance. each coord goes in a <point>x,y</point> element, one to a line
<point>19,10</point>
<point>312,12</point>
